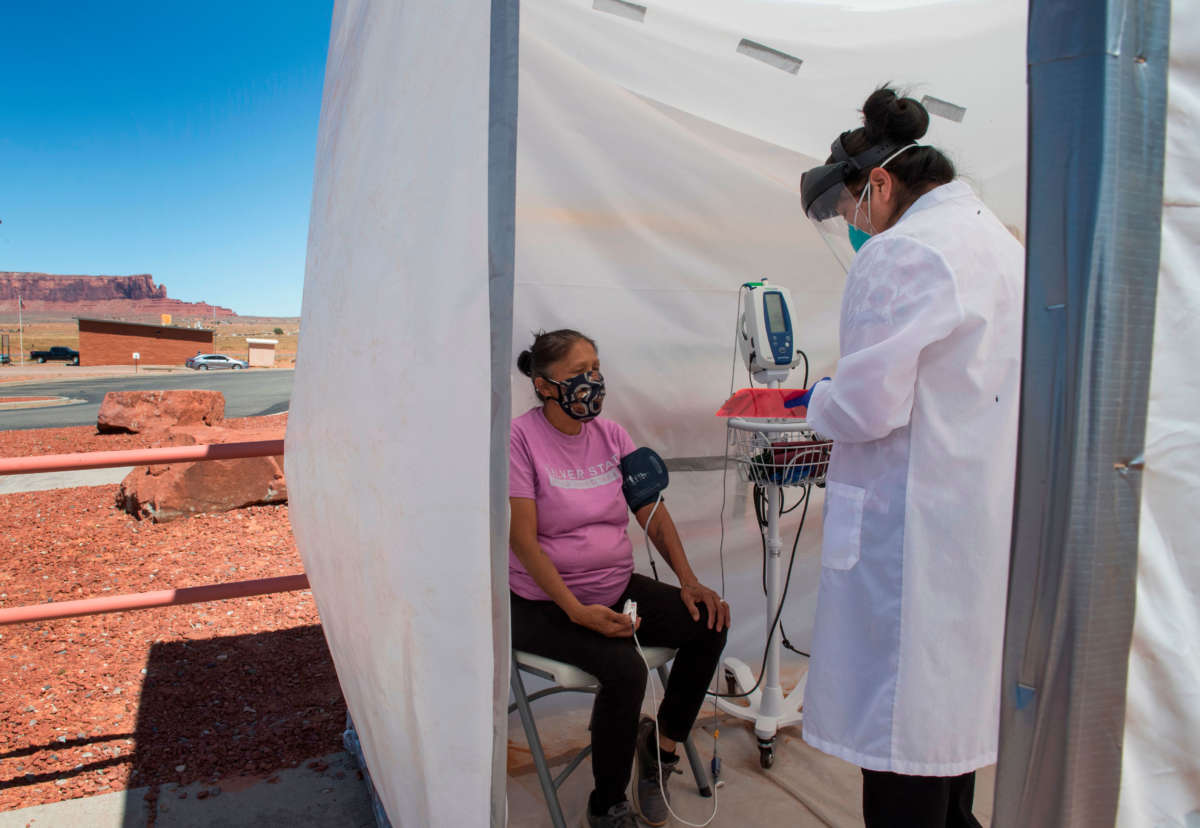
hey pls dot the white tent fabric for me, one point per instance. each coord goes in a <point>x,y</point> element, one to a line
<point>386,452</point>
<point>1160,775</point>
<point>658,169</point>
<point>685,54</point>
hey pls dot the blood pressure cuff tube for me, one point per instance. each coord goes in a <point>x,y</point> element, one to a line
<point>643,477</point>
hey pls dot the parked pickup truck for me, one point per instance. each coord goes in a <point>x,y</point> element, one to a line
<point>58,352</point>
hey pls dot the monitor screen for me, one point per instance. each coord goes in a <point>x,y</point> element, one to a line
<point>775,319</point>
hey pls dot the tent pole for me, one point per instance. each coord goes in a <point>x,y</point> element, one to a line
<point>502,223</point>
<point>1097,115</point>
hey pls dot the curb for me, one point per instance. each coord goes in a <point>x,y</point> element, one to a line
<point>49,402</point>
<point>28,380</point>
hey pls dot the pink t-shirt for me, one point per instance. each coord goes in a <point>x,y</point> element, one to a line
<point>575,480</point>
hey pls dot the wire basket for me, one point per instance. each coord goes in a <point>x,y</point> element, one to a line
<point>778,452</point>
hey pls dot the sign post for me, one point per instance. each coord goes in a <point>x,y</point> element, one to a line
<point>136,356</point>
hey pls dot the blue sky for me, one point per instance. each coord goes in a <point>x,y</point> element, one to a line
<point>172,138</point>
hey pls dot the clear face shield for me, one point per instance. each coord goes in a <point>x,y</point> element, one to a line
<point>840,215</point>
<point>833,214</point>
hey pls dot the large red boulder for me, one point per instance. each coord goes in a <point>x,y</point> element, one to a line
<point>143,411</point>
<point>166,492</point>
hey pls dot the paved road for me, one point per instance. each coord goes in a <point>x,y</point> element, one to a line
<point>247,394</point>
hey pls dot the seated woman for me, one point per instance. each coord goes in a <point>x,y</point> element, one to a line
<point>571,570</point>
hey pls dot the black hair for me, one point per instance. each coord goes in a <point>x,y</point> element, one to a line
<point>890,118</point>
<point>548,348</point>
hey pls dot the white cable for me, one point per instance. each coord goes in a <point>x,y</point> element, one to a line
<point>658,757</point>
<point>654,700</point>
<point>646,534</point>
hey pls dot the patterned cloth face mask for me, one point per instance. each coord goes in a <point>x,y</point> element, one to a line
<point>580,396</point>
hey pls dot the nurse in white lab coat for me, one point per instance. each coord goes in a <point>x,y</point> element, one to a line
<point>905,674</point>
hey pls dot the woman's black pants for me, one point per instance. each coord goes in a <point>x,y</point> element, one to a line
<point>541,628</point>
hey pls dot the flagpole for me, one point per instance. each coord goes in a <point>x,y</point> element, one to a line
<point>20,330</point>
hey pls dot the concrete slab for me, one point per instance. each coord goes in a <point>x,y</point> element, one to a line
<point>44,481</point>
<point>115,810</point>
<point>329,795</point>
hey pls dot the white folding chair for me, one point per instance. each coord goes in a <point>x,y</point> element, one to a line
<point>568,679</point>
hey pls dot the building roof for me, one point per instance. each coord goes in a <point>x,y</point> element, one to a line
<point>250,341</point>
<point>142,324</point>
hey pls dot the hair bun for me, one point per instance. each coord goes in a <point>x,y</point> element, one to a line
<point>525,363</point>
<point>887,116</point>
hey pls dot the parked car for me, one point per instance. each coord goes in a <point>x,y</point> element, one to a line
<point>206,362</point>
<point>58,352</point>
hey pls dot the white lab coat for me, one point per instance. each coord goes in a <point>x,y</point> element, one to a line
<point>905,671</point>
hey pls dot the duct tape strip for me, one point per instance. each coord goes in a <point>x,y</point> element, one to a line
<point>695,464</point>
<point>769,56</point>
<point>621,8</point>
<point>944,109</point>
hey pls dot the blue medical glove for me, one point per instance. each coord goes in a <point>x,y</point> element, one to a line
<point>804,396</point>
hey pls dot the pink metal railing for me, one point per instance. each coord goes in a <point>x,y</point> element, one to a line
<point>162,597</point>
<point>149,600</point>
<point>139,457</point>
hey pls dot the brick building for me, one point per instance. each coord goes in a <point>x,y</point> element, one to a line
<point>109,342</point>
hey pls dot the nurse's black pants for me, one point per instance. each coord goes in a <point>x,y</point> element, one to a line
<point>541,628</point>
<point>895,800</point>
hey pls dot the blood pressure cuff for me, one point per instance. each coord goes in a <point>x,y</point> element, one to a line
<point>643,477</point>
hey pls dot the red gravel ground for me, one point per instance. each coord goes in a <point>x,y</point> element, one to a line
<point>211,692</point>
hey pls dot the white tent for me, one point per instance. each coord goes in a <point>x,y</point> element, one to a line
<point>618,167</point>
<point>1160,773</point>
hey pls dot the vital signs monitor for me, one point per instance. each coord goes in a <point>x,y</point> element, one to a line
<point>766,337</point>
